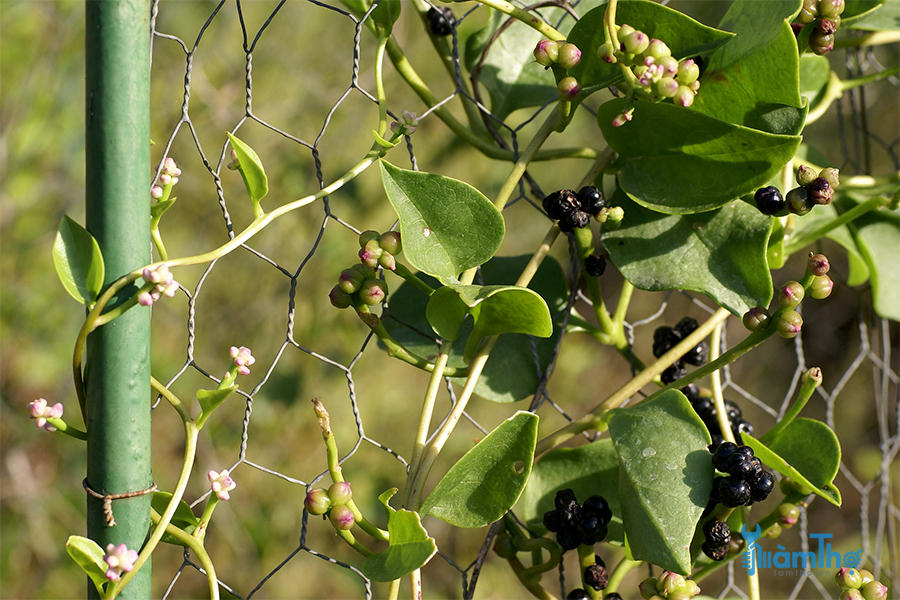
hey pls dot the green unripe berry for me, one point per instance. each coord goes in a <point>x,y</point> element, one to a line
<point>866,576</point>
<point>667,87</point>
<point>684,96</point>
<point>797,201</point>
<point>546,52</point>
<point>390,242</point>
<point>809,12</point>
<point>832,176</point>
<point>606,53</point>
<point>370,253</point>
<point>342,517</point>
<point>670,67</point>
<point>789,324</point>
<point>756,318</point>
<point>831,8</point>
<point>788,513</point>
<point>373,291</point>
<point>350,280</point>
<point>789,486</point>
<point>624,31</point>
<point>339,298</point>
<point>773,531</point>
<point>821,43</point>
<point>818,264</point>
<point>387,261</point>
<point>317,502</point>
<point>851,594</point>
<point>635,42</point>
<point>688,71</point>
<point>569,88</point>
<point>847,578</point>
<point>569,56</point>
<point>339,492</point>
<point>874,590</point>
<point>657,49</point>
<point>805,175</point>
<point>791,294</point>
<point>820,191</point>
<point>367,236</point>
<point>821,287</point>
<point>669,582</point>
<point>648,588</point>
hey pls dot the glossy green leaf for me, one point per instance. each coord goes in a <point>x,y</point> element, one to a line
<point>495,309</point>
<point>665,477</point>
<point>511,372</point>
<point>447,225</point>
<point>78,261</point>
<point>386,13</point>
<point>754,79</point>
<point>592,469</point>
<point>775,254</point>
<point>877,235</point>
<point>814,74</point>
<point>410,545</point>
<point>183,518</point>
<point>210,399</point>
<point>89,557</point>
<point>679,161</point>
<point>872,15</point>
<point>251,170</point>
<point>488,480</point>
<point>808,452</point>
<point>721,253</point>
<point>684,36</point>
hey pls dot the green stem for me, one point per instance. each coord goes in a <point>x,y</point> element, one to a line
<point>849,84</point>
<point>394,590</point>
<point>618,574</point>
<point>715,381</point>
<point>171,398</point>
<point>198,549</point>
<point>200,532</point>
<point>525,17</point>
<point>585,560</point>
<point>63,427</point>
<point>379,82</point>
<point>529,581</point>
<point>401,271</point>
<point>809,237</point>
<point>810,381</point>
<point>157,241</point>
<point>584,241</point>
<point>877,38</point>
<point>348,538</point>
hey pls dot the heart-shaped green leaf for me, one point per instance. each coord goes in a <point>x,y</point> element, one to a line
<point>410,545</point>
<point>721,253</point>
<point>488,480</point>
<point>684,36</point>
<point>447,225</point>
<point>589,470</point>
<point>753,80</point>
<point>814,74</point>
<point>872,15</point>
<point>495,309</point>
<point>877,235</point>
<point>679,161</point>
<point>807,451</point>
<point>665,478</point>
<point>183,518</point>
<point>78,261</point>
<point>89,557</point>
<point>251,170</point>
<point>511,373</point>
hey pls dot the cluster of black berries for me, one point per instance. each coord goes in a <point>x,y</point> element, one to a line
<point>665,338</point>
<point>574,210</point>
<point>813,189</point>
<point>440,20</point>
<point>827,16</point>
<point>576,524</point>
<point>706,410</point>
<point>747,481</point>
<point>717,539</point>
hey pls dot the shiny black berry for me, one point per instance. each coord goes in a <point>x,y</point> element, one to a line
<point>577,594</point>
<point>598,506</point>
<point>686,326</point>
<point>565,499</point>
<point>820,191</point>
<point>673,373</point>
<point>721,453</point>
<point>569,539</point>
<point>591,529</point>
<point>714,552</point>
<point>595,265</point>
<point>769,200</point>
<point>733,411</point>
<point>697,355</point>
<point>440,20</point>
<point>731,491</point>
<point>741,426</point>
<point>613,596</point>
<point>762,486</point>
<point>561,203</point>
<point>552,521</point>
<point>738,464</point>
<point>596,576</point>
<point>716,533</point>
<point>591,199</point>
<point>691,392</point>
<point>664,339</point>
<point>576,219</point>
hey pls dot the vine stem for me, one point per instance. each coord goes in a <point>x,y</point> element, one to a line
<point>860,209</point>
<point>379,82</point>
<point>198,548</point>
<point>715,382</point>
<point>618,574</point>
<point>810,381</point>
<point>525,17</point>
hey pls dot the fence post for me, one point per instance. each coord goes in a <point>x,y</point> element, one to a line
<point>117,367</point>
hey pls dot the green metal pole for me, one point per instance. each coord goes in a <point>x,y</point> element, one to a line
<point>117,367</point>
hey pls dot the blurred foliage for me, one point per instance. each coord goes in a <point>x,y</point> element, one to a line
<point>298,75</point>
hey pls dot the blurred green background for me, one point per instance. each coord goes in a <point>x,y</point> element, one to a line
<point>301,68</point>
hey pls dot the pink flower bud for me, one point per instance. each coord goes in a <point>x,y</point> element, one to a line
<point>40,412</point>
<point>156,192</point>
<point>120,560</point>
<point>221,484</point>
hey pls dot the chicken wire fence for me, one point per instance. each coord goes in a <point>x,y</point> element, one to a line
<point>865,377</point>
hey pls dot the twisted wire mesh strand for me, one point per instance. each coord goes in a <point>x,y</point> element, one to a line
<point>879,517</point>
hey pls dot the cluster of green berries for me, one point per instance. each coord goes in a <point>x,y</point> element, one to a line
<point>826,14</point>
<point>668,585</point>
<point>746,481</point>
<point>859,585</point>
<point>332,502</point>
<point>360,282</point>
<point>563,55</point>
<point>706,410</point>
<point>575,524</point>
<point>440,21</point>
<point>790,295</point>
<point>658,73</point>
<point>574,210</point>
<point>596,577</point>
<point>812,190</point>
<point>716,539</point>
